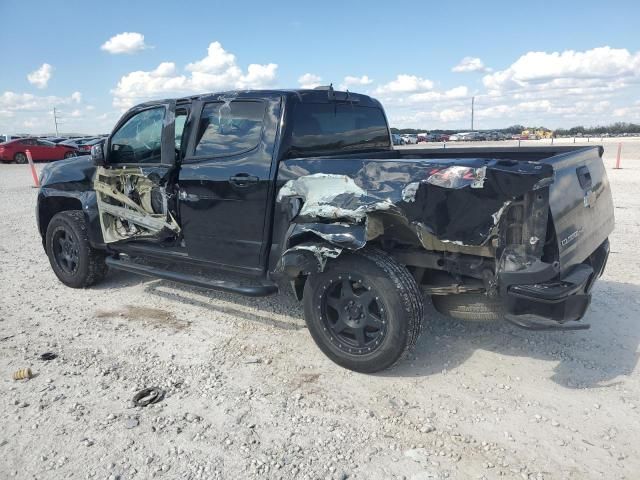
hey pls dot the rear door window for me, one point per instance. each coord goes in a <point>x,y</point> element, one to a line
<point>229,128</point>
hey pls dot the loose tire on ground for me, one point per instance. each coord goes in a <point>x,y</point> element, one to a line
<point>469,306</point>
<point>73,260</point>
<point>369,292</point>
<point>20,158</point>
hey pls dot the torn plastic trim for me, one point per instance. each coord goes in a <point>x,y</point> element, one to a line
<point>343,235</point>
<point>306,258</point>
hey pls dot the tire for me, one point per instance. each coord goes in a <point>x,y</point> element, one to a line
<point>386,306</point>
<point>73,260</point>
<point>469,306</point>
<point>69,154</point>
<point>20,158</point>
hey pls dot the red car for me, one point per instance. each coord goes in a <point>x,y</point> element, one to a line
<point>14,151</point>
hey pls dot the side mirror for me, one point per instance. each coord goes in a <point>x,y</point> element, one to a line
<point>97,154</point>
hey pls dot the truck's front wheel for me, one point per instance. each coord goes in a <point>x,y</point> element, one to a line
<point>364,310</point>
<point>73,260</point>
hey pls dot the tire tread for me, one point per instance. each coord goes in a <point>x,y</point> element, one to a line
<point>96,266</point>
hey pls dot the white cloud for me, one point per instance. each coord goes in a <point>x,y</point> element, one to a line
<point>434,96</point>
<point>592,87</point>
<point>11,102</point>
<point>470,64</point>
<point>20,112</point>
<point>309,80</point>
<point>351,81</point>
<point>40,77</point>
<point>406,84</point>
<point>217,71</point>
<point>567,69</point>
<point>126,42</point>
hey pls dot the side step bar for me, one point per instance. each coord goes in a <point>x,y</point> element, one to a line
<point>261,290</point>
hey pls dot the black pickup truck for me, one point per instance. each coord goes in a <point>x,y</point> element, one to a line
<point>305,186</point>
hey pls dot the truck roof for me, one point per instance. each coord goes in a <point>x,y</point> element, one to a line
<point>318,95</point>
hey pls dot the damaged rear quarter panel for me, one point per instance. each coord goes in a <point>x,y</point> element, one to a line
<point>457,201</point>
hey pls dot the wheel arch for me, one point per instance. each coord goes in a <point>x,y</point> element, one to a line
<point>48,206</point>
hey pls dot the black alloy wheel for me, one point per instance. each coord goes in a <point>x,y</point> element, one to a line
<point>364,310</point>
<point>65,248</point>
<point>353,315</point>
<point>74,261</point>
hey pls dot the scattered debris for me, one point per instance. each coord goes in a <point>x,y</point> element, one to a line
<point>147,396</point>
<point>23,374</point>
<point>131,423</point>
<point>48,356</point>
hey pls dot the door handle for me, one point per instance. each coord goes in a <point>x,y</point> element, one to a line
<point>243,180</point>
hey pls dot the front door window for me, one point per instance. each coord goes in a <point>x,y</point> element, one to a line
<point>139,140</point>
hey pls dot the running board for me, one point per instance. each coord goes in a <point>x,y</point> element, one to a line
<point>261,290</point>
<point>531,322</point>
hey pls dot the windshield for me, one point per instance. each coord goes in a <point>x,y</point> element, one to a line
<point>332,128</point>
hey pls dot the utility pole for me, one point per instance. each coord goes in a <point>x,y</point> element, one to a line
<point>472,102</point>
<point>55,119</point>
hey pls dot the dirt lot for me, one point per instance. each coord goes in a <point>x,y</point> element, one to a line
<point>250,396</point>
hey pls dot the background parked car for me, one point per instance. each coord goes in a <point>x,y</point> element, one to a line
<point>410,138</point>
<point>41,150</point>
<point>8,138</point>
<point>78,142</point>
<point>55,139</point>
<point>85,148</point>
<point>397,139</point>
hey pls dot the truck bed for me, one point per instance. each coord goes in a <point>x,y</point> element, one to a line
<point>455,198</point>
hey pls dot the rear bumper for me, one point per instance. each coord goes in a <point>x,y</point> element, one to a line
<point>565,298</point>
<point>560,300</point>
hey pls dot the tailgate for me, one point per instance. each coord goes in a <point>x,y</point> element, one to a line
<point>581,204</point>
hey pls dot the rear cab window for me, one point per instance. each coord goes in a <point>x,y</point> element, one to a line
<point>333,128</point>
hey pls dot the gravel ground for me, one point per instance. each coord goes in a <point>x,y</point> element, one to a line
<point>250,396</point>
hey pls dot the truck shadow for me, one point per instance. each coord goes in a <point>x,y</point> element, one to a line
<point>593,358</point>
<point>258,310</point>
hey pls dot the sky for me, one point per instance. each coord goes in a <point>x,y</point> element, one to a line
<point>556,64</point>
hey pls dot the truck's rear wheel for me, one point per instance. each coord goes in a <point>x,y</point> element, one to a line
<point>364,311</point>
<point>469,306</point>
<point>73,260</point>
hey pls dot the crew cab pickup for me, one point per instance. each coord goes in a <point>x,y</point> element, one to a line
<point>304,187</point>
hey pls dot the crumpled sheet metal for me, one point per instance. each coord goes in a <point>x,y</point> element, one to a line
<point>332,196</point>
<point>456,200</point>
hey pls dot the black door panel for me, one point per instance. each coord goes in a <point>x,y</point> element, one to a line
<point>224,200</point>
